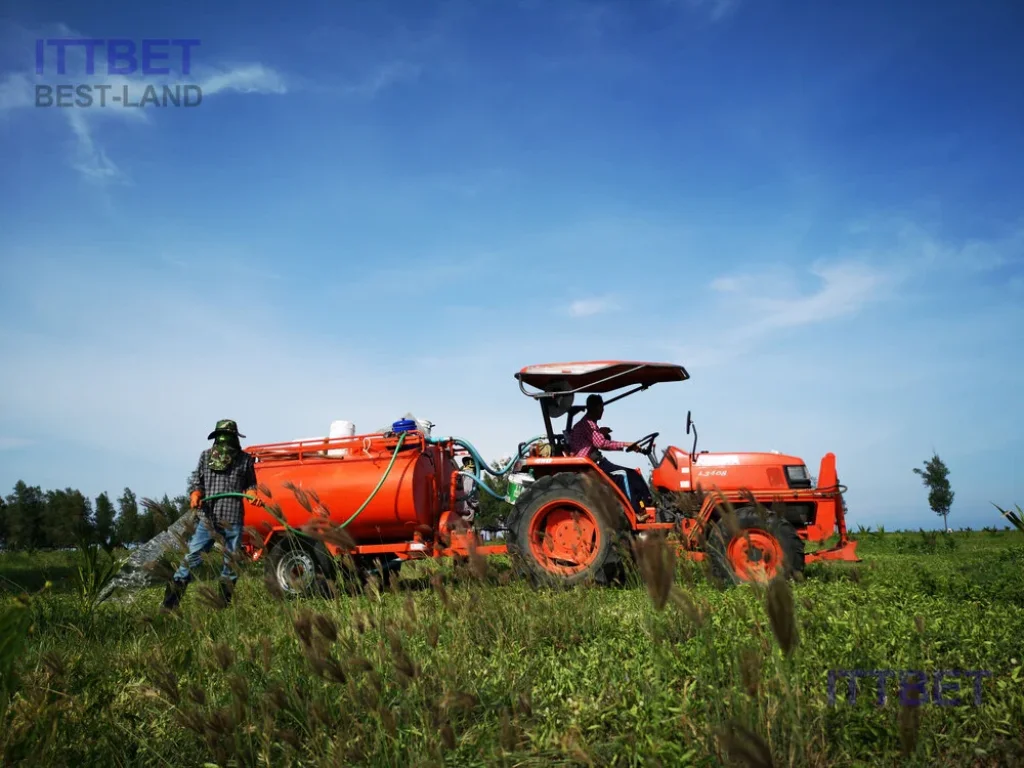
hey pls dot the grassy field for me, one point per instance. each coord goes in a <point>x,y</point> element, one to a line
<point>456,667</point>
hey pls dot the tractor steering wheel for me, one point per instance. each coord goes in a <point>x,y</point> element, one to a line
<point>647,439</point>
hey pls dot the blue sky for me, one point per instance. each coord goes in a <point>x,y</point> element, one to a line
<point>389,207</point>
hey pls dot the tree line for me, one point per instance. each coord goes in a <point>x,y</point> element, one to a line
<point>31,518</point>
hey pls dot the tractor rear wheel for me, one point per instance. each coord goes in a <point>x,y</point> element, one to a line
<point>565,529</point>
<point>761,550</point>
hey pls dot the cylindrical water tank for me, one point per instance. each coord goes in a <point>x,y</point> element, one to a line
<point>406,500</point>
<point>341,428</point>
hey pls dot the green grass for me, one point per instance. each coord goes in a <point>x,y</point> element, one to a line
<point>448,669</point>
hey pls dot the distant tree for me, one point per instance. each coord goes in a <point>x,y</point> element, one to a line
<point>935,476</point>
<point>67,518</point>
<point>3,521</point>
<point>105,514</point>
<point>25,512</point>
<point>182,506</point>
<point>127,518</point>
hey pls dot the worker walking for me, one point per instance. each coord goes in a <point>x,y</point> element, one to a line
<point>223,468</point>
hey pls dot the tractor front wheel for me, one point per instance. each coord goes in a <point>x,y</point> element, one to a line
<point>761,550</point>
<point>564,530</point>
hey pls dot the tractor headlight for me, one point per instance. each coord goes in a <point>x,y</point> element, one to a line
<point>798,477</point>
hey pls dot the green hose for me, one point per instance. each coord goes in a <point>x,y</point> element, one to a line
<point>401,439</point>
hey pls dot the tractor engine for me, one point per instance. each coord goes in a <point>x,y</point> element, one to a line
<point>761,473</point>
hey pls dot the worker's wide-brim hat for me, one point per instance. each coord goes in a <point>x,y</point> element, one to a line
<point>225,426</point>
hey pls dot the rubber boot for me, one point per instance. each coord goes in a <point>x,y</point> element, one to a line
<point>227,589</point>
<point>172,595</point>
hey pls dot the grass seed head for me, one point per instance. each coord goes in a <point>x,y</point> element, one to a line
<point>267,652</point>
<point>910,723</point>
<point>448,736</point>
<point>523,705</point>
<point>750,670</point>
<point>657,564</point>
<point>304,628</point>
<point>387,719</point>
<point>685,603</point>
<point>509,738</point>
<point>437,582</point>
<point>212,598</point>
<point>239,688</point>
<point>782,615</point>
<point>290,737</point>
<point>745,746</point>
<point>326,626</point>
<point>359,664</point>
<point>224,656</point>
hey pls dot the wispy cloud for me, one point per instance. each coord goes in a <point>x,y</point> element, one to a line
<point>888,261</point>
<point>716,10</point>
<point>592,306</point>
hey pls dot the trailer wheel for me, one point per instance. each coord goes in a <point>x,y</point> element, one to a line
<point>299,569</point>
<point>565,529</point>
<point>761,550</point>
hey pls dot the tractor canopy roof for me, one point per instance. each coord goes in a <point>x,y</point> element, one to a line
<point>598,376</point>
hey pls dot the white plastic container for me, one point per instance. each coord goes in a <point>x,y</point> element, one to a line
<point>341,428</point>
<point>517,481</point>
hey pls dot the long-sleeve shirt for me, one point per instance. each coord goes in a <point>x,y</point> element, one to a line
<point>238,478</point>
<point>587,436</point>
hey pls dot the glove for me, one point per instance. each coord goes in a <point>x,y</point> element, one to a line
<point>632,448</point>
<point>196,499</point>
<point>255,500</point>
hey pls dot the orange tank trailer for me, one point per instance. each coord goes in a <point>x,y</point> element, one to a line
<point>409,515</point>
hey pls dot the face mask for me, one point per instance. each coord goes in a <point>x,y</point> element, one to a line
<point>225,447</point>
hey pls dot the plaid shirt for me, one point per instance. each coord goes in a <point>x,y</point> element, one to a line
<point>586,436</point>
<point>238,478</point>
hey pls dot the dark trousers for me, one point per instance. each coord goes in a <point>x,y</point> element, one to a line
<point>630,481</point>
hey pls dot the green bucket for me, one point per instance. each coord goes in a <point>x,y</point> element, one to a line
<point>516,483</point>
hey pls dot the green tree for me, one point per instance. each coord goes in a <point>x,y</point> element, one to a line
<point>127,518</point>
<point>26,508</point>
<point>105,514</point>
<point>67,518</point>
<point>935,476</point>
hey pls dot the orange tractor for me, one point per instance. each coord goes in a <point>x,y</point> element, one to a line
<point>396,495</point>
<point>560,525</point>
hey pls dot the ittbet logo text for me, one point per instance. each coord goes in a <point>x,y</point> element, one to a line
<point>116,57</point>
<point>913,685</point>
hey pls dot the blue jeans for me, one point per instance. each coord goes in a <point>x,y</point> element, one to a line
<point>203,541</point>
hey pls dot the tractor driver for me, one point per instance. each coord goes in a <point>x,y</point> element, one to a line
<point>585,440</point>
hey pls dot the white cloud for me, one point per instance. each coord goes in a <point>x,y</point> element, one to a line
<point>248,78</point>
<point>716,10</point>
<point>592,306</point>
